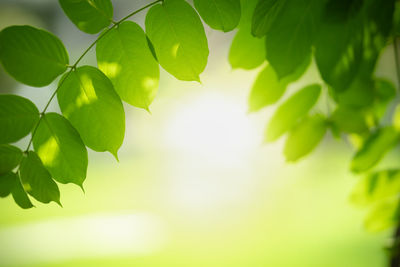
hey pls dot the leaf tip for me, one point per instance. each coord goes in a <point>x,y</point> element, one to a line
<point>115,154</point>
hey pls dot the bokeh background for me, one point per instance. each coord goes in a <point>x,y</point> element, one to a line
<point>195,185</point>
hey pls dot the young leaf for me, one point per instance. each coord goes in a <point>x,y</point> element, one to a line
<point>349,120</point>
<point>374,149</point>
<point>32,56</point>
<point>19,194</point>
<point>268,89</point>
<point>10,157</point>
<point>88,100</point>
<point>124,56</point>
<point>90,16</point>
<point>7,182</point>
<point>376,187</point>
<point>339,45</point>
<point>37,180</point>
<point>246,52</point>
<point>304,137</point>
<point>265,14</point>
<point>221,15</point>
<point>288,42</point>
<point>178,36</point>
<point>18,116</point>
<point>293,109</point>
<point>61,149</point>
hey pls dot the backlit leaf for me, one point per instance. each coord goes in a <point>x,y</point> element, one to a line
<point>32,56</point>
<point>291,111</point>
<point>376,186</point>
<point>7,183</point>
<point>267,89</point>
<point>37,180</point>
<point>289,39</point>
<point>61,149</point>
<point>383,215</point>
<point>304,137</point>
<point>18,116</point>
<point>221,15</point>
<point>374,148</point>
<point>246,51</point>
<point>19,194</point>
<point>265,14</point>
<point>124,56</point>
<point>178,37</point>
<point>10,157</point>
<point>90,16</point>
<point>349,120</point>
<point>88,100</point>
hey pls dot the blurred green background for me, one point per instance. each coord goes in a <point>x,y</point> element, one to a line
<point>195,186</point>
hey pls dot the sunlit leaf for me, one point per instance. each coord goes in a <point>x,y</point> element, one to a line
<point>7,183</point>
<point>90,16</point>
<point>124,56</point>
<point>10,157</point>
<point>61,149</point>
<point>291,111</point>
<point>19,194</point>
<point>383,215</point>
<point>246,51</point>
<point>32,56</point>
<point>178,37</point>
<point>304,137</point>
<point>37,180</point>
<point>267,89</point>
<point>265,14</point>
<point>289,40</point>
<point>88,100</point>
<point>376,186</point>
<point>18,116</point>
<point>349,120</point>
<point>221,15</point>
<point>374,149</point>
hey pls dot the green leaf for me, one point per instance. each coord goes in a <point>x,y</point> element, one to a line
<point>268,89</point>
<point>291,111</point>
<point>32,56</point>
<point>289,39</point>
<point>124,56</point>
<point>7,183</point>
<point>304,137</point>
<point>384,90</point>
<point>360,93</point>
<point>246,52</point>
<point>61,149</point>
<point>37,180</point>
<point>383,215</point>
<point>376,187</point>
<point>19,194</point>
<point>18,116</point>
<point>178,36</point>
<point>88,100</point>
<point>10,157</point>
<point>374,148</point>
<point>349,120</point>
<point>265,14</point>
<point>221,15</point>
<point>90,16</point>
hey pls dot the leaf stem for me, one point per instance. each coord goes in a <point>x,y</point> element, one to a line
<point>73,67</point>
